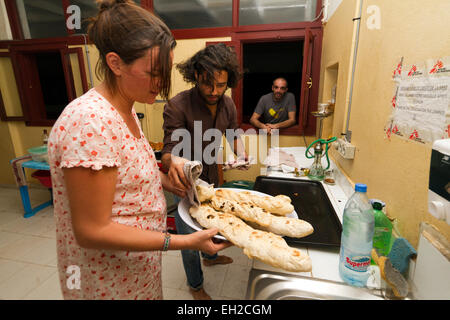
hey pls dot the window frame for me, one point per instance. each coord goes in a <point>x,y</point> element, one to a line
<point>17,33</point>
<point>3,114</point>
<point>270,32</point>
<point>237,33</point>
<point>236,28</point>
<point>16,28</point>
<point>34,112</point>
<point>309,126</point>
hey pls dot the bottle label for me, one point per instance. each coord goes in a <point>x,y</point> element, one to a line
<point>380,230</point>
<point>357,263</point>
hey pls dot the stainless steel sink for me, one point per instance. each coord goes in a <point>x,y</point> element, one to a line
<point>265,285</point>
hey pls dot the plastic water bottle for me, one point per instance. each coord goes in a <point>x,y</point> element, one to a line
<point>44,137</point>
<point>356,238</point>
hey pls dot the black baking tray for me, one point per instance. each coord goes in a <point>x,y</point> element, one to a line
<point>311,203</point>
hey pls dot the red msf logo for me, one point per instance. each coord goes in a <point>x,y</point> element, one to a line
<point>391,131</point>
<point>413,69</point>
<point>388,133</point>
<point>437,66</point>
<point>398,70</point>
<point>414,135</point>
<point>395,130</point>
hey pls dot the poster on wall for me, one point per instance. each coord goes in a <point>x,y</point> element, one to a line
<point>421,101</point>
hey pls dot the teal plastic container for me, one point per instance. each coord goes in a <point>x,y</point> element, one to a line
<point>39,154</point>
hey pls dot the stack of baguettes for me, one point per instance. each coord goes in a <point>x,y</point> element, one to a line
<point>255,223</point>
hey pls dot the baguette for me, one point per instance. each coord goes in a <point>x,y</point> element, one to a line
<point>291,227</point>
<point>279,205</point>
<point>245,211</point>
<point>264,246</point>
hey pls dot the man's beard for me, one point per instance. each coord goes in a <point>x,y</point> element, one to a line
<point>278,97</point>
<point>213,101</point>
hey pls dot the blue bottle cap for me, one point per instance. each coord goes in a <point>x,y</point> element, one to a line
<point>360,187</point>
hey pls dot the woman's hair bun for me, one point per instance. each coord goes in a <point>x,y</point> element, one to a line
<point>108,4</point>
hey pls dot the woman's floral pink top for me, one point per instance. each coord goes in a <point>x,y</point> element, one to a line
<point>91,133</point>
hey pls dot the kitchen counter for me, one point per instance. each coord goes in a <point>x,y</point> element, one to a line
<point>325,262</point>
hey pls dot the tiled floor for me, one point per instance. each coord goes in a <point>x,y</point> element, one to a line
<point>28,258</point>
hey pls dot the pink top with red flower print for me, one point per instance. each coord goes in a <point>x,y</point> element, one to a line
<point>91,133</point>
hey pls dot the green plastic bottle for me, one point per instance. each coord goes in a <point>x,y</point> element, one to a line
<point>383,230</point>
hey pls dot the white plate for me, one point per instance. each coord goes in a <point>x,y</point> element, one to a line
<point>183,210</point>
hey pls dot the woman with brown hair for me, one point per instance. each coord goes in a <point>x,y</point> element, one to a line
<point>109,204</point>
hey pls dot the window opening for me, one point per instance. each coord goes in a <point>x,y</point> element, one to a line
<point>265,61</point>
<point>190,14</point>
<point>53,84</point>
<point>276,11</point>
<point>41,19</point>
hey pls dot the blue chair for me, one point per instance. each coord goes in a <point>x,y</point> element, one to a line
<point>20,164</point>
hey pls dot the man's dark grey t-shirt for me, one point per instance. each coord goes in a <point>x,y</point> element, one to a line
<point>275,112</point>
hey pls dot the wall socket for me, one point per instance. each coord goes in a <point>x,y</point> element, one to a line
<point>345,148</point>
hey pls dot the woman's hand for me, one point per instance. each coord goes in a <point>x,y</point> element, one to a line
<point>203,241</point>
<point>91,195</point>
